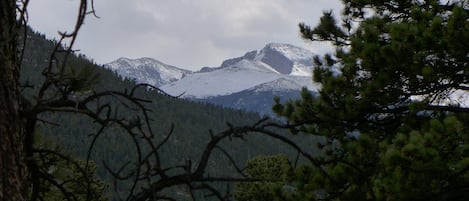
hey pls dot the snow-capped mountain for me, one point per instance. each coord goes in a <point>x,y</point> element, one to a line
<point>276,66</point>
<point>223,81</point>
<point>248,82</point>
<point>287,59</point>
<point>282,58</point>
<point>147,70</point>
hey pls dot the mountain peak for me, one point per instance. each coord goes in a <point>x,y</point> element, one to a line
<point>280,58</point>
<point>279,45</point>
<point>273,61</point>
<point>292,52</point>
<point>249,56</point>
<point>250,80</point>
<point>287,59</point>
<point>147,70</point>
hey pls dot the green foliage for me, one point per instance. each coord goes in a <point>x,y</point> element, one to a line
<point>390,130</point>
<point>430,156</point>
<point>274,171</point>
<point>64,177</point>
<point>85,79</point>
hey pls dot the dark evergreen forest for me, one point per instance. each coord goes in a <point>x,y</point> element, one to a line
<point>190,123</point>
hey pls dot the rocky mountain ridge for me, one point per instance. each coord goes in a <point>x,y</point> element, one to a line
<point>275,70</point>
<point>147,70</point>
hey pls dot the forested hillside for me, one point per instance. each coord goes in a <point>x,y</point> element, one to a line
<point>191,122</point>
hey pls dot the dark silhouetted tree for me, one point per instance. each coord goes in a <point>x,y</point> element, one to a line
<point>14,175</point>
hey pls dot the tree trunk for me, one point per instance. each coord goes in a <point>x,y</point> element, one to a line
<point>13,169</point>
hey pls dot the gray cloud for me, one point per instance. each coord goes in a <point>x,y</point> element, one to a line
<point>185,33</point>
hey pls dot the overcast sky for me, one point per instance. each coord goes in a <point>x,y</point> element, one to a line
<point>185,33</point>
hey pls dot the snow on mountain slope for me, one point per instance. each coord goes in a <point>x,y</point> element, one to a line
<point>292,52</point>
<point>275,67</point>
<point>287,59</point>
<point>243,75</point>
<point>280,58</point>
<point>147,70</point>
<point>260,98</point>
<point>287,83</point>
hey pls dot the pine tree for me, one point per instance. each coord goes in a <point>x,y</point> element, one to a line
<point>391,108</point>
<point>273,172</point>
